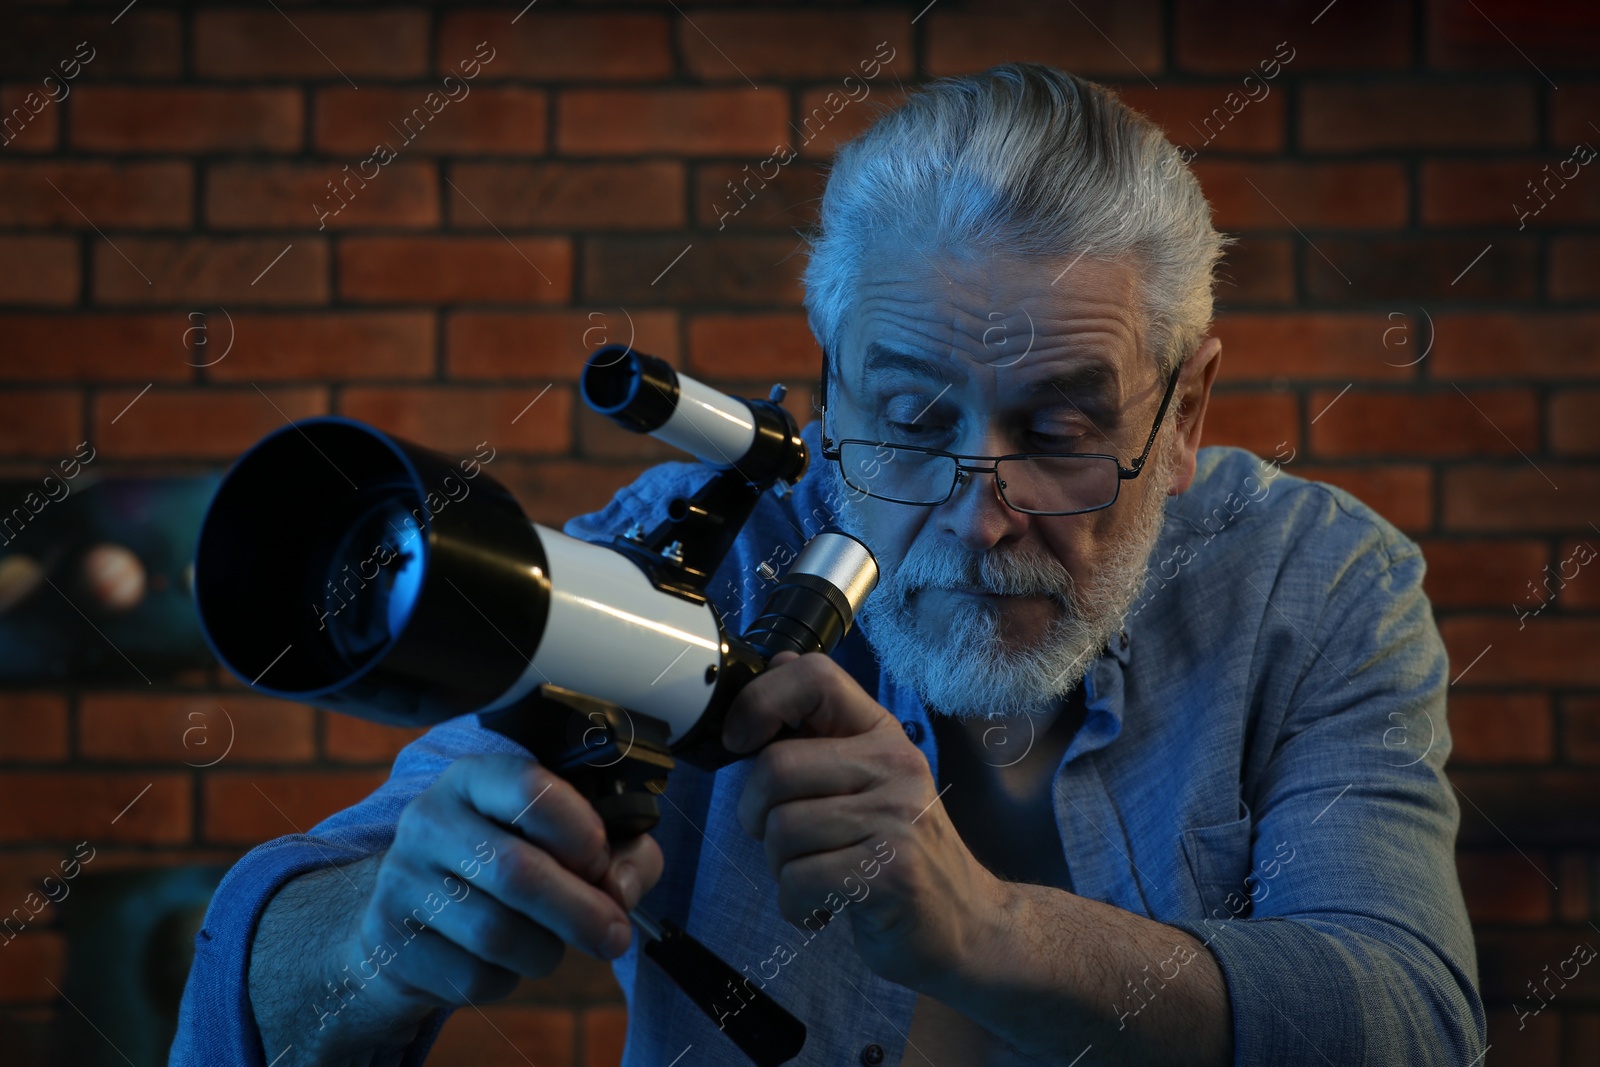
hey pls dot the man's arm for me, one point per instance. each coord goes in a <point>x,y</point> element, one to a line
<point>306,935</point>
<point>1057,973</point>
<point>1039,967</point>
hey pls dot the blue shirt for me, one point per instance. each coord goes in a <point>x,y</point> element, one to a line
<point>1260,764</point>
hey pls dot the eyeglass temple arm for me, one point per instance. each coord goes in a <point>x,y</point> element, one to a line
<point>1161,413</point>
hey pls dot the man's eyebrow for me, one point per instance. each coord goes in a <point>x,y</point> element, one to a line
<point>1092,380</point>
<point>881,357</point>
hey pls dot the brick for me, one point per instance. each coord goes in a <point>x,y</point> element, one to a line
<point>644,196</point>
<point>1481,572</point>
<point>1575,268</point>
<point>198,729</point>
<point>553,491</point>
<point>1231,38</point>
<point>1440,424</point>
<point>1575,422</point>
<point>1501,728</point>
<point>787,201</point>
<point>1580,733</point>
<point>819,139</point>
<point>1561,812</point>
<point>1097,38</point>
<point>28,125</point>
<point>1319,346</point>
<point>450,269</point>
<point>76,806</point>
<point>33,961</point>
<point>47,423</point>
<point>546,346</point>
<point>604,1035</point>
<point>1527,346</point>
<point>1307,196</point>
<point>1510,958</point>
<point>210,423</point>
<point>129,119</point>
<point>1205,119</point>
<point>347,739</point>
<point>1503,888</point>
<point>1580,1042</point>
<point>1402,494</point>
<point>1498,193</point>
<point>246,196</point>
<point>752,346</point>
<point>144,44</point>
<point>38,270</point>
<point>201,272</point>
<point>98,348</point>
<point>1256,270</point>
<point>133,195</point>
<point>484,121</point>
<point>562,46</point>
<point>506,1034</point>
<point>685,122</point>
<point>338,346</point>
<point>1516,497</point>
<point>310,45</point>
<point>1544,651</point>
<point>1576,902</point>
<point>248,808</point>
<point>1577,582</point>
<point>1463,35</point>
<point>1571,111</point>
<point>33,726</point>
<point>740,270</point>
<point>455,419</point>
<point>1257,421</point>
<point>1408,269</point>
<point>735,45</point>
<point>1407,116</point>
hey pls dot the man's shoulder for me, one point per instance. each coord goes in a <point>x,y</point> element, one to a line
<point>1259,506</point>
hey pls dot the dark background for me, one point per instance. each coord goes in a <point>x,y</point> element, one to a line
<point>457,288</point>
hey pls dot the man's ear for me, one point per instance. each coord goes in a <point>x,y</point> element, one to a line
<point>1192,395</point>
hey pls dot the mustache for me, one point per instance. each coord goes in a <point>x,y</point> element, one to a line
<point>1017,572</point>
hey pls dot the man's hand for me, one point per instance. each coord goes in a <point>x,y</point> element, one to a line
<point>540,872</point>
<point>823,802</point>
<point>493,870</point>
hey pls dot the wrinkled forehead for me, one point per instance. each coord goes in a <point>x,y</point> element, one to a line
<point>1010,321</point>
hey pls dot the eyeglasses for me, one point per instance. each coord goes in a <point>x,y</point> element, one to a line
<point>1037,483</point>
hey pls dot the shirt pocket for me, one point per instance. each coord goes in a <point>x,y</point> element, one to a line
<point>1220,862</point>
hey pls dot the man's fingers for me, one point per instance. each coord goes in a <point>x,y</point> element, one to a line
<point>500,936</point>
<point>635,868</point>
<point>449,973</point>
<point>810,691</point>
<point>541,806</point>
<point>531,881</point>
<point>796,769</point>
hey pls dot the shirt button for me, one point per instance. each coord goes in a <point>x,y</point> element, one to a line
<point>872,1055</point>
<point>913,730</point>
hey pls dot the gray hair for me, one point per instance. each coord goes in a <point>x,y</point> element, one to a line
<point>1034,161</point>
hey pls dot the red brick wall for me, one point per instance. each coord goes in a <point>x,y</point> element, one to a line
<point>1373,188</point>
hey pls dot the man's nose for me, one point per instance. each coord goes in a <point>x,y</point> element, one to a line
<point>977,514</point>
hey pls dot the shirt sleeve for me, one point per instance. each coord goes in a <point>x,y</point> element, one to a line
<point>216,1023</point>
<point>1349,941</point>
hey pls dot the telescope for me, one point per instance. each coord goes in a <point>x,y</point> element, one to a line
<point>336,566</point>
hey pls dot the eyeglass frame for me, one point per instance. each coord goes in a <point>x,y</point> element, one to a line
<point>831,451</point>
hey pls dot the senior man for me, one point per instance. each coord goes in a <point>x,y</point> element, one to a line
<point>1135,757</point>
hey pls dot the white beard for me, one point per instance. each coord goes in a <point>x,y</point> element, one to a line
<point>971,671</point>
